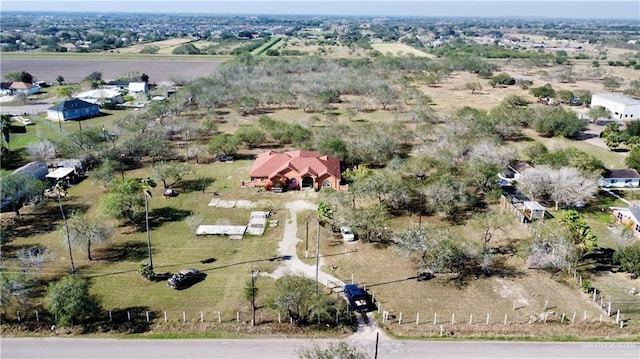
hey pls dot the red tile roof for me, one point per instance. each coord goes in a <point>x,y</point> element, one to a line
<point>270,164</point>
<point>21,85</point>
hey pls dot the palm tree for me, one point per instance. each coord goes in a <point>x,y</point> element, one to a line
<point>60,189</point>
<point>147,184</point>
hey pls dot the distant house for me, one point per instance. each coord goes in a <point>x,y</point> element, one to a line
<point>117,85</point>
<point>629,216</point>
<point>18,88</point>
<point>622,107</point>
<point>72,110</point>
<point>514,171</point>
<point>101,96</point>
<point>619,178</point>
<point>295,170</point>
<point>138,88</point>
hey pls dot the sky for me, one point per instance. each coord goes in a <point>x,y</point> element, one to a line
<point>575,9</point>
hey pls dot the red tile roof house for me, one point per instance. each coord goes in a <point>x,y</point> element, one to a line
<point>294,170</point>
<point>629,216</point>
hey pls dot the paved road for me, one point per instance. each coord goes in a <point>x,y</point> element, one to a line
<point>33,348</point>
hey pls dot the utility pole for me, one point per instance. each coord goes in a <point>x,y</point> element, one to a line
<point>254,277</point>
<point>317,257</point>
<point>306,243</point>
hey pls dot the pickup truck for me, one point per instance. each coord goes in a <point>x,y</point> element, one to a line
<point>359,300</point>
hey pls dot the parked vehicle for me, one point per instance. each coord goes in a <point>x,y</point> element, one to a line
<point>358,299</point>
<point>347,234</point>
<point>185,278</point>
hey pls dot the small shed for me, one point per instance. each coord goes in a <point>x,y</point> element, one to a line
<point>533,210</point>
<point>66,174</point>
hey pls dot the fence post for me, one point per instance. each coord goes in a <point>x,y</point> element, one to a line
<point>19,319</point>
<point>37,317</point>
<point>562,319</point>
<point>400,318</point>
<point>237,317</point>
<point>487,318</point>
<point>595,291</point>
<point>201,317</point>
<point>584,316</point>
<point>505,319</point>
<point>546,315</point>
<point>435,318</point>
<point>279,318</point>
<point>609,310</point>
<point>470,318</point>
<point>110,317</point>
<point>453,318</point>
<point>618,316</point>
<point>184,316</point>
<point>165,316</point>
<point>601,317</point>
<point>147,313</point>
<point>515,304</point>
<point>418,318</point>
<point>573,318</point>
<point>220,317</point>
<point>128,316</point>
<point>373,297</point>
<point>546,304</point>
<point>337,319</point>
<point>441,329</point>
<point>351,278</point>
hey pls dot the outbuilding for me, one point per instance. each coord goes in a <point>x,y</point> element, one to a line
<point>623,108</point>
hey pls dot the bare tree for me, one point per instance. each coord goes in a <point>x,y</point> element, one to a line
<point>550,248</point>
<point>568,186</point>
<point>42,150</point>
<point>83,231</point>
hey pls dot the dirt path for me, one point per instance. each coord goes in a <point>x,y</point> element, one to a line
<point>367,329</point>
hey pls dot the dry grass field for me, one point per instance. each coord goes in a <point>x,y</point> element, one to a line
<point>398,49</point>
<point>164,46</point>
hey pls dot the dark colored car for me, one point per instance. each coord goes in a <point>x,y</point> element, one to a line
<point>359,300</point>
<point>185,278</point>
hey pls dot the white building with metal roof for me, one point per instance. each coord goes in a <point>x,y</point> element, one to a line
<point>623,108</point>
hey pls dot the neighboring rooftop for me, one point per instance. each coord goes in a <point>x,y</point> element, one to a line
<point>621,173</point>
<point>619,98</point>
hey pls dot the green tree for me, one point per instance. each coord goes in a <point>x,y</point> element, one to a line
<point>186,49</point>
<point>543,91</point>
<point>251,136</point>
<point>597,112</point>
<point>610,83</point>
<point>170,173</point>
<point>579,231</point>
<point>70,301</point>
<point>60,80</point>
<point>473,86</point>
<point>633,159</point>
<point>295,297</point>
<point>150,49</point>
<point>16,288</point>
<point>629,259</point>
<point>65,92</point>
<point>223,144</point>
<point>124,200</point>
<point>565,96</point>
<point>20,76</point>
<point>19,190</point>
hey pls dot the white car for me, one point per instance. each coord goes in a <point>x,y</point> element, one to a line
<point>347,234</point>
